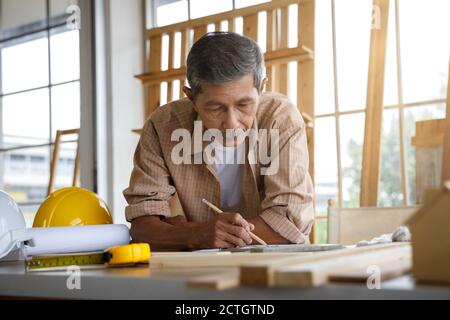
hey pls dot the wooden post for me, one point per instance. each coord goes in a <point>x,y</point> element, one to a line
<point>271,42</point>
<point>374,109</point>
<point>55,157</point>
<point>154,66</point>
<point>283,29</point>
<point>251,26</point>
<point>54,163</point>
<point>305,71</point>
<point>200,31</point>
<point>446,150</point>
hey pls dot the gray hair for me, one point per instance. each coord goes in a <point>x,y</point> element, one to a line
<point>221,57</point>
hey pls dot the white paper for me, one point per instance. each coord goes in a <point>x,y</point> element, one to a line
<point>59,240</point>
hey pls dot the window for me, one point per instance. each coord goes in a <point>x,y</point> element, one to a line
<point>415,88</point>
<point>341,64</point>
<point>39,94</point>
<point>165,12</point>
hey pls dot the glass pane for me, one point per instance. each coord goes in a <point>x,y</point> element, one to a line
<point>25,118</point>
<point>390,96</point>
<point>425,47</point>
<point>246,3</point>
<point>65,56</point>
<point>292,84</point>
<point>20,70</point>
<point>25,177</point>
<point>351,140</point>
<point>66,161</point>
<point>390,188</point>
<point>323,57</point>
<point>325,163</point>
<point>293,23</point>
<point>65,108</point>
<point>59,8</point>
<point>201,8</point>
<point>170,13</point>
<point>428,112</point>
<point>353,22</point>
<point>321,231</point>
<point>18,17</point>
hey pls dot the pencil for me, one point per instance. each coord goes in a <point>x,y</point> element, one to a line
<point>217,210</point>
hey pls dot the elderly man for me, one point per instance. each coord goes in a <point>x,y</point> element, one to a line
<point>271,196</point>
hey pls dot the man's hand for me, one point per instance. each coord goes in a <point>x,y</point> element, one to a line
<point>228,230</point>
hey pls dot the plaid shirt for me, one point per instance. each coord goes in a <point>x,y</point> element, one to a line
<point>284,200</point>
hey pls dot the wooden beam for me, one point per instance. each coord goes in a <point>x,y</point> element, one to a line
<point>251,26</point>
<point>305,74</point>
<point>374,109</point>
<point>154,64</point>
<point>271,58</point>
<point>199,31</point>
<point>263,273</point>
<point>316,273</point>
<point>446,149</point>
<point>283,29</point>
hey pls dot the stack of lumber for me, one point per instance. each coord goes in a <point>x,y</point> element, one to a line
<point>300,269</point>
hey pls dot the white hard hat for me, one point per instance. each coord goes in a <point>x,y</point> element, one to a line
<point>12,225</point>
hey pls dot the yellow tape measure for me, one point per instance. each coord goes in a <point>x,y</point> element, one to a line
<point>120,255</point>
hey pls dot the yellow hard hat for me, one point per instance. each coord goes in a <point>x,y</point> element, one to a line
<point>72,206</point>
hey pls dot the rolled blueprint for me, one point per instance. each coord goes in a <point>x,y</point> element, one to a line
<point>60,240</point>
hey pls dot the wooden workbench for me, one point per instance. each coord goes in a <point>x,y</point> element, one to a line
<point>143,282</point>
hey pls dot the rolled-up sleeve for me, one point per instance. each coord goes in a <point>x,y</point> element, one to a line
<point>288,205</point>
<point>150,185</point>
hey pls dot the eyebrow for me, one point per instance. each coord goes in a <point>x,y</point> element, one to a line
<point>246,99</point>
<point>211,103</point>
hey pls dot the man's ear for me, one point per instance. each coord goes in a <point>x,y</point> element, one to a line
<point>263,84</point>
<point>188,92</point>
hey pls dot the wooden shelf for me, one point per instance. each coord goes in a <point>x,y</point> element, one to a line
<point>280,56</point>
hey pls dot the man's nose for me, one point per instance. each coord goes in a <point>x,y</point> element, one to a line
<point>231,120</point>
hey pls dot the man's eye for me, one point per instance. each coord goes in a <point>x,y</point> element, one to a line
<point>243,105</point>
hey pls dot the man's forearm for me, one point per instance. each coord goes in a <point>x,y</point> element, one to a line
<point>265,232</point>
<point>163,236</point>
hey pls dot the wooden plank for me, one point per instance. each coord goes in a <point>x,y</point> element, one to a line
<point>54,163</point>
<point>251,26</point>
<point>262,273</point>
<point>283,28</point>
<point>272,57</point>
<point>153,99</point>
<point>231,25</point>
<point>216,259</point>
<point>351,225</point>
<point>374,110</point>
<point>220,281</point>
<point>388,270</point>
<point>285,55</point>
<point>316,273</point>
<point>270,47</point>
<point>184,47</point>
<point>217,26</point>
<point>199,31</point>
<point>446,150</point>
<point>227,15</point>
<point>305,75</point>
<point>76,166</point>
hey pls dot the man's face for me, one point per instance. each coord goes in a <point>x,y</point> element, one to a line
<point>228,106</point>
